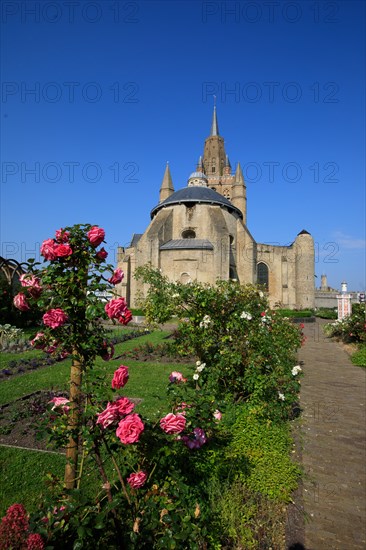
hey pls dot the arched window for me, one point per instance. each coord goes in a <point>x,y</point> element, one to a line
<point>188,234</point>
<point>262,275</point>
<point>185,278</point>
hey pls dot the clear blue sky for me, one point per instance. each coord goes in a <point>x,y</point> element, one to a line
<point>119,88</point>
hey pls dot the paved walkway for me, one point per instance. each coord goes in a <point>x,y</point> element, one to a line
<point>333,447</point>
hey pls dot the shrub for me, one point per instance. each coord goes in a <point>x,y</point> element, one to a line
<point>359,357</point>
<point>351,328</point>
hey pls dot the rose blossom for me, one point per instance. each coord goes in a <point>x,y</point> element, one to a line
<point>114,411</point>
<point>48,249</point>
<point>63,250</point>
<point>31,282</point>
<point>130,428</point>
<point>96,235</point>
<point>120,377</point>
<point>173,423</point>
<point>102,254</point>
<point>137,480</point>
<point>117,277</point>
<point>109,415</point>
<point>62,236</point>
<point>117,309</point>
<point>20,302</point>
<point>60,402</point>
<point>55,318</point>
<point>217,414</point>
<point>199,439</point>
<point>176,376</point>
<point>38,341</point>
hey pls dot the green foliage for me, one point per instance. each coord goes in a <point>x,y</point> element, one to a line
<point>326,313</point>
<point>267,446</point>
<point>349,329</point>
<point>249,350</point>
<point>359,357</point>
<point>295,313</point>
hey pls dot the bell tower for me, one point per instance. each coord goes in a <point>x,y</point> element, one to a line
<point>214,156</point>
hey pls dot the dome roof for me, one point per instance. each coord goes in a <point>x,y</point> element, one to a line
<point>200,175</point>
<point>197,195</point>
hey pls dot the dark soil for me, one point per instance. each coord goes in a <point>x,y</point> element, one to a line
<point>19,420</point>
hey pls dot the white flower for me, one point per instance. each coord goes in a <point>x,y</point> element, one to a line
<point>196,376</point>
<point>246,315</point>
<point>296,370</point>
<point>198,363</point>
<point>205,321</point>
<point>175,295</point>
<point>281,396</point>
<point>200,367</point>
<point>260,294</point>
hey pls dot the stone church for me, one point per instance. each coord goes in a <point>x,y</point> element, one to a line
<point>200,233</point>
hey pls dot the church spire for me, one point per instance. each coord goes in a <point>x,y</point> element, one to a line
<point>167,187</point>
<point>214,125</point>
<point>239,196</point>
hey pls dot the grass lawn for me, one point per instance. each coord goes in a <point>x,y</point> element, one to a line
<point>22,471</point>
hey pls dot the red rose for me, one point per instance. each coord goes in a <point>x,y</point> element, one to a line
<point>102,254</point>
<point>117,309</point>
<point>35,542</point>
<point>130,428</point>
<point>137,480</point>
<point>62,236</point>
<point>117,276</point>
<point>55,318</point>
<point>173,423</point>
<point>120,377</point>
<point>63,250</point>
<point>96,235</point>
<point>20,302</point>
<point>124,405</point>
<point>48,249</point>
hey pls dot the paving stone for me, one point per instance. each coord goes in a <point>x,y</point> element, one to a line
<point>332,398</point>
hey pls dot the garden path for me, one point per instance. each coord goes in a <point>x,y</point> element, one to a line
<point>333,446</point>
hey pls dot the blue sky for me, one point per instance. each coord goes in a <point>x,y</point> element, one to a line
<point>98,96</point>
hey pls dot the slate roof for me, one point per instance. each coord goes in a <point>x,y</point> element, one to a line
<point>196,195</point>
<point>187,244</point>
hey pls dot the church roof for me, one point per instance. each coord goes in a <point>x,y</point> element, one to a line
<point>135,239</point>
<point>197,195</point>
<point>187,244</point>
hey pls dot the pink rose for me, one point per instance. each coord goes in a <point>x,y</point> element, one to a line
<point>117,309</point>
<point>96,235</point>
<point>108,416</point>
<point>180,409</point>
<point>117,277</point>
<point>20,302</point>
<point>217,415</point>
<point>196,439</point>
<point>60,402</point>
<point>52,347</point>
<point>62,236</point>
<point>173,423</point>
<point>176,376</point>
<point>130,428</point>
<point>120,377</point>
<point>27,280</point>
<point>114,411</point>
<point>124,405</point>
<point>55,318</point>
<point>48,249</point>
<point>38,341</point>
<point>63,250</point>
<point>137,480</point>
